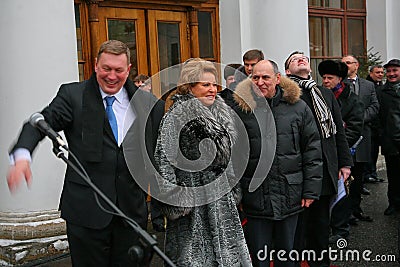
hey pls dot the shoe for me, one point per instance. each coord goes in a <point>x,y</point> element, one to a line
<point>365,191</point>
<point>353,221</point>
<point>362,217</point>
<point>390,210</point>
<point>372,180</point>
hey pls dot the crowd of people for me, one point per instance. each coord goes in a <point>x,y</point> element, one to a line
<point>305,142</point>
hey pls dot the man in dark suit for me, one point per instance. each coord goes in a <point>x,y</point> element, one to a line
<point>376,74</point>
<point>96,134</point>
<point>313,227</point>
<point>365,90</point>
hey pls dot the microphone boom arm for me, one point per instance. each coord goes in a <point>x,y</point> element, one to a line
<point>145,237</point>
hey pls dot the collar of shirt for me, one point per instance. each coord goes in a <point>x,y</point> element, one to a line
<point>125,115</point>
<point>120,96</point>
<point>353,79</point>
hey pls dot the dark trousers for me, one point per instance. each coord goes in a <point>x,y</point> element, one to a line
<point>393,175</point>
<point>370,167</point>
<point>340,216</point>
<point>312,231</point>
<point>102,247</point>
<point>356,186</point>
<point>263,235</point>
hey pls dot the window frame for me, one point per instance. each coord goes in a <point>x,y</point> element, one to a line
<point>213,8</point>
<point>344,14</point>
<point>85,62</point>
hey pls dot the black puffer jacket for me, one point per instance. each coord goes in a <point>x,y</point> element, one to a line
<point>296,171</point>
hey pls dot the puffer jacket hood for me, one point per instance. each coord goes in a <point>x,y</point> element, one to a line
<point>244,95</point>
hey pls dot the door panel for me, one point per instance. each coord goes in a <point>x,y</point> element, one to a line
<point>128,26</point>
<point>168,36</point>
<point>168,46</point>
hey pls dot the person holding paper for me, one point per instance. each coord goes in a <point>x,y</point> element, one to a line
<point>333,73</point>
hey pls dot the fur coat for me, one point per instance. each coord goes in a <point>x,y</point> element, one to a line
<point>193,151</point>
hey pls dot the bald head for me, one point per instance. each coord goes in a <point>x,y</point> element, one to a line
<point>266,76</point>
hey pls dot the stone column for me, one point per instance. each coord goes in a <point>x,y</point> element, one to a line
<point>39,54</point>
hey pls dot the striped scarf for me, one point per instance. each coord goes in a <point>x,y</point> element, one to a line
<point>324,115</point>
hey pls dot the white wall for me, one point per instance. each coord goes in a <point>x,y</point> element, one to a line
<point>230,32</point>
<point>276,27</point>
<point>392,24</point>
<point>376,27</point>
<point>38,53</point>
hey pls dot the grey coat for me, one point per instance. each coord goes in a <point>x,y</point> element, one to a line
<point>367,96</point>
<point>199,234</point>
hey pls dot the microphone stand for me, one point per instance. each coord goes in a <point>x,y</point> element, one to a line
<point>146,240</point>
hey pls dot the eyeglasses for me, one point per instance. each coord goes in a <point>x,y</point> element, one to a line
<point>349,62</point>
<point>296,59</point>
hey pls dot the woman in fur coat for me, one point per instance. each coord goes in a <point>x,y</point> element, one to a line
<point>199,191</point>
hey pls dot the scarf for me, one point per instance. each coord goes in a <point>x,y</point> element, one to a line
<point>337,91</point>
<point>321,109</point>
<point>394,86</point>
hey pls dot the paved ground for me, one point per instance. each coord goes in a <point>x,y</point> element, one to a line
<point>379,236</point>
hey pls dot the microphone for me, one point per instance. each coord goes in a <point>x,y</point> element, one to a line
<point>37,121</point>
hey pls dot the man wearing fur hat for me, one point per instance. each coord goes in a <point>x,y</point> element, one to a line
<point>333,74</point>
<point>294,179</point>
<point>313,228</point>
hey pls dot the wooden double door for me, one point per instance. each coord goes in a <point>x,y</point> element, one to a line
<point>158,40</point>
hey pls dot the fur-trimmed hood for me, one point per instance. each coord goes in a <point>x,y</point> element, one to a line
<point>244,95</point>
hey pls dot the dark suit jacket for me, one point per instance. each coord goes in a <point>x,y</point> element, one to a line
<point>367,96</point>
<point>78,110</point>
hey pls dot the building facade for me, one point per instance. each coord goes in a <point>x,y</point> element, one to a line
<point>47,43</point>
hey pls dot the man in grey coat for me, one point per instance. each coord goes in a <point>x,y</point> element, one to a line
<point>365,90</point>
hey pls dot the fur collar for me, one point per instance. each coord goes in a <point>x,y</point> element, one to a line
<point>245,98</point>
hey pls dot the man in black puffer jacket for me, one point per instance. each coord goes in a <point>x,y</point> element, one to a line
<point>294,180</point>
<point>313,228</point>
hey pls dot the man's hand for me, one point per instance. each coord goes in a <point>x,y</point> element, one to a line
<point>306,202</point>
<point>345,172</point>
<point>16,173</point>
